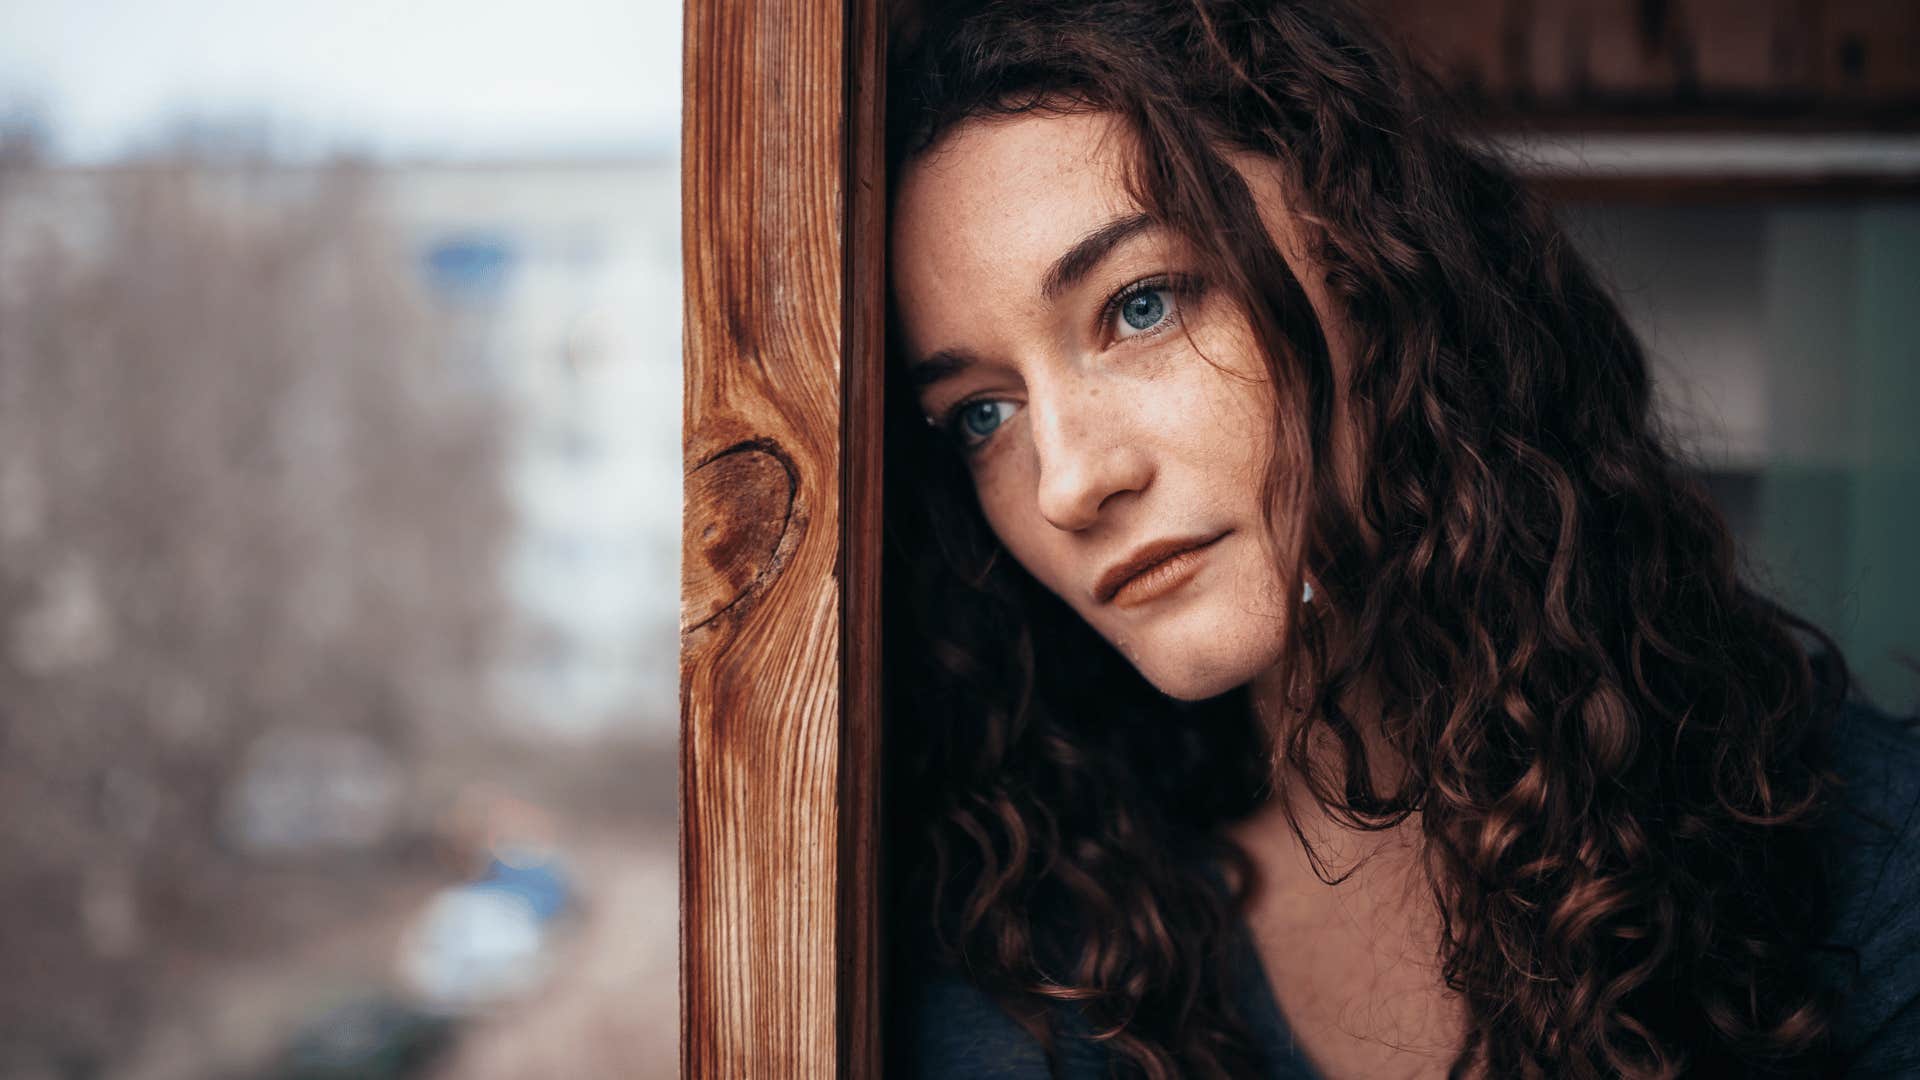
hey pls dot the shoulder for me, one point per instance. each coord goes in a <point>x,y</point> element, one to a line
<point>1872,845</point>
<point>950,1028</point>
<point>1873,826</point>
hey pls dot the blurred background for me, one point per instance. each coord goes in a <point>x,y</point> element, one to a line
<point>340,477</point>
<point>1746,175</point>
<point>339,538</point>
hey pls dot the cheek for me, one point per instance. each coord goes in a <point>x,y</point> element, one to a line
<point>1007,503</point>
<point>1226,410</point>
<point>1248,422</point>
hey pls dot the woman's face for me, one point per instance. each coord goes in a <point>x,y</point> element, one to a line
<point>1102,400</point>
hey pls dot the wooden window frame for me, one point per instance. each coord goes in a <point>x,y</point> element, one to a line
<point>782,200</point>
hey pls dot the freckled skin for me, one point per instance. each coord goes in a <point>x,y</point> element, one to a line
<point>1105,442</point>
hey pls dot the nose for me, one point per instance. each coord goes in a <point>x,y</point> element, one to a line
<point>1089,451</point>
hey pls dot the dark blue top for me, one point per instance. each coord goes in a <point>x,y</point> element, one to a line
<point>954,1030</point>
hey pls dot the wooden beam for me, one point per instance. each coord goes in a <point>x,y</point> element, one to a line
<point>1631,65</point>
<point>779,669</point>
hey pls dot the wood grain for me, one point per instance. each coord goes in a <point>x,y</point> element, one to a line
<point>779,669</point>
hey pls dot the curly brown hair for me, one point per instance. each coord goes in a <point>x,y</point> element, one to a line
<point>1609,736</point>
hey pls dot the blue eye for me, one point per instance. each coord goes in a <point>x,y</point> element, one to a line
<point>971,423</point>
<point>1145,309</point>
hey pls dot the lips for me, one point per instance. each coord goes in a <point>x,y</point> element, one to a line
<point>1144,559</point>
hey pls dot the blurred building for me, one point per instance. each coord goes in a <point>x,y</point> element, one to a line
<point>564,281</point>
<point>559,290</point>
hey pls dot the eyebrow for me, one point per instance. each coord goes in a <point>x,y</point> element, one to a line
<point>1086,254</point>
<point>1068,270</point>
<point>941,365</point>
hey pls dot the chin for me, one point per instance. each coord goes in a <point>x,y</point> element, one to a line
<point>1192,689</point>
<point>1201,677</point>
<point>1200,650</point>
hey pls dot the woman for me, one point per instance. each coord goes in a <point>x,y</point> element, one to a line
<point>1450,743</point>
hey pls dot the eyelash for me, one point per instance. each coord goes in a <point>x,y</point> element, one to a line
<point>1183,289</point>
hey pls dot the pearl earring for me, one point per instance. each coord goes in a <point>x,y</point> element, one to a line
<point>1306,592</point>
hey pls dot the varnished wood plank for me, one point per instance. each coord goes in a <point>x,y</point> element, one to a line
<point>779,659</point>
<point>862,869</point>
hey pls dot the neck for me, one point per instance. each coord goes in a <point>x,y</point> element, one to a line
<point>1336,842</point>
<point>1278,710</point>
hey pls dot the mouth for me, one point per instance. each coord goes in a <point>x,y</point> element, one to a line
<point>1152,569</point>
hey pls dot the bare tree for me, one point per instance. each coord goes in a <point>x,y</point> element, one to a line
<point>244,488</point>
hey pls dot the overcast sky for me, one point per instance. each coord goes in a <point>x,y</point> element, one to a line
<point>408,78</point>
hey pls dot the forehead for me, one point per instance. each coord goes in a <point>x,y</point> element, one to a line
<point>996,200</point>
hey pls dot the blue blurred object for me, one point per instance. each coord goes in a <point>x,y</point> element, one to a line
<point>533,875</point>
<point>488,940</point>
<point>469,266</point>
